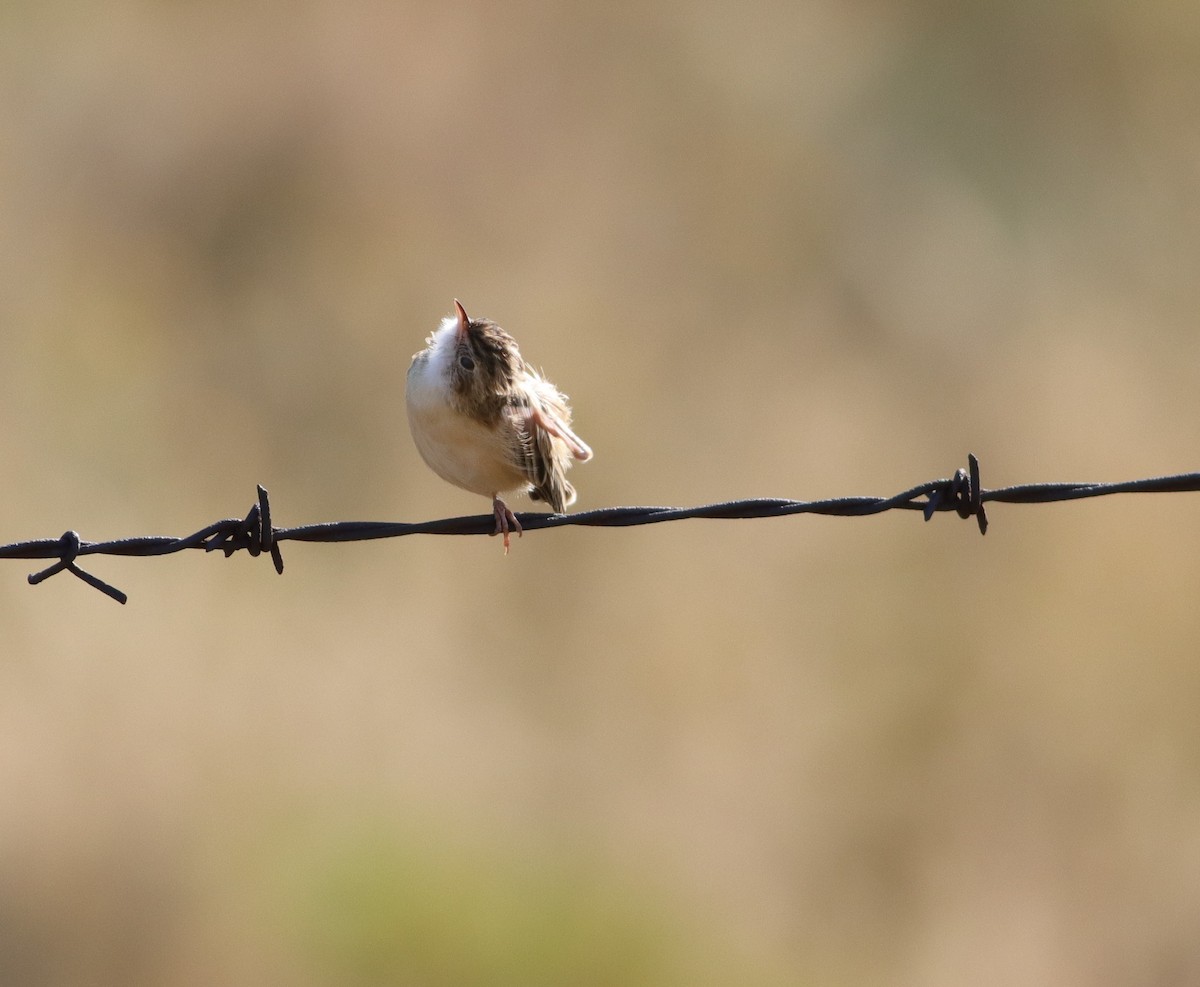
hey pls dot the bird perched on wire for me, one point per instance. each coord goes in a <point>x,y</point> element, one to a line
<point>485,420</point>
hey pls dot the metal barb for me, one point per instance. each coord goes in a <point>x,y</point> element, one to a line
<point>71,543</point>
<point>961,494</point>
<point>266,531</point>
<point>977,494</point>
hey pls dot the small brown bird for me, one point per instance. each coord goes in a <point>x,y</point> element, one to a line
<point>485,420</point>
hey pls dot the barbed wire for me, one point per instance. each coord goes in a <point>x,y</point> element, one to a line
<point>961,493</point>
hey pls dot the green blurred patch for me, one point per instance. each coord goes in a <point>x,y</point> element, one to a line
<point>380,906</point>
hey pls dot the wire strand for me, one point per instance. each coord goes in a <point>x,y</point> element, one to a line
<point>961,493</point>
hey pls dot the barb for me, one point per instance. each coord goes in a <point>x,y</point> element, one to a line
<point>962,493</point>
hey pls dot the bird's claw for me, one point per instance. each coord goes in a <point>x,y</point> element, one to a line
<point>506,521</point>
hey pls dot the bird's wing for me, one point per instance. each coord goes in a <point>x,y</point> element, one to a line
<point>545,443</point>
<point>549,412</point>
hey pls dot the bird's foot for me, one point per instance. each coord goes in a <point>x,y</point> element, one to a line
<point>506,521</point>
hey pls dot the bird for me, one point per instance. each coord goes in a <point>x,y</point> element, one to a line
<point>486,421</point>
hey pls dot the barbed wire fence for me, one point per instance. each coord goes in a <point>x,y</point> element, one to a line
<point>961,493</point>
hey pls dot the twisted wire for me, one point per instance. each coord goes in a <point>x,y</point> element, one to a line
<point>961,493</point>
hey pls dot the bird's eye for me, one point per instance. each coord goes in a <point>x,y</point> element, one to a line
<point>466,362</point>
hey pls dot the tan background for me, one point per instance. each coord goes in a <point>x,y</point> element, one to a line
<point>770,249</point>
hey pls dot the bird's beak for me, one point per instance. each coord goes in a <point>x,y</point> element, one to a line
<point>462,319</point>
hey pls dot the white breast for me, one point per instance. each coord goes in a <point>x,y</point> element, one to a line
<point>457,448</point>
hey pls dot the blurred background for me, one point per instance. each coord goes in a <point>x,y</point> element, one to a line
<point>792,249</point>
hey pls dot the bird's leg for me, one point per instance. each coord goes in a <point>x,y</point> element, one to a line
<point>506,520</point>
